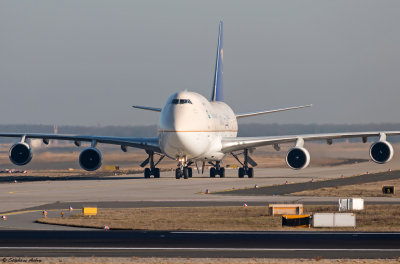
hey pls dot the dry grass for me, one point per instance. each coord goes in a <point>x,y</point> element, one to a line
<point>372,189</point>
<point>197,260</point>
<point>252,218</point>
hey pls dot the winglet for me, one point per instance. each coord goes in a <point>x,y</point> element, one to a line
<point>217,87</point>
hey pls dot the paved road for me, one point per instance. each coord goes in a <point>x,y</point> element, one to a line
<point>17,196</point>
<point>200,244</point>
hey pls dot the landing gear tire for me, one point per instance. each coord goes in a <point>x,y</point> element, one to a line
<point>222,173</point>
<point>241,172</point>
<point>190,172</point>
<point>178,174</point>
<point>185,173</point>
<point>156,173</point>
<point>250,172</point>
<point>147,173</point>
<point>212,173</point>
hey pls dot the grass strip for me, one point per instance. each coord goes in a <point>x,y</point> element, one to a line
<point>251,218</point>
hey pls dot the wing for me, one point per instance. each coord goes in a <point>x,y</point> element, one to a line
<point>155,109</point>
<point>142,143</point>
<point>241,115</point>
<point>240,143</point>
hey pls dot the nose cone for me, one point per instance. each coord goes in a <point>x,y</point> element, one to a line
<point>182,126</point>
<point>184,111</point>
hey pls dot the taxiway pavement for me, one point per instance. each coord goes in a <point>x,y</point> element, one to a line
<point>18,196</point>
<point>200,244</point>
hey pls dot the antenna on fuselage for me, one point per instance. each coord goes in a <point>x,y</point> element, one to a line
<point>217,87</point>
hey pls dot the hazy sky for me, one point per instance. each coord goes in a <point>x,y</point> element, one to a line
<point>86,62</point>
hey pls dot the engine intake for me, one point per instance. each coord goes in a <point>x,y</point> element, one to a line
<point>90,159</point>
<point>20,153</point>
<point>381,152</point>
<point>298,158</point>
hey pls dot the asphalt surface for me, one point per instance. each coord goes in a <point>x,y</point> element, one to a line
<point>133,188</point>
<point>200,244</point>
<point>298,187</point>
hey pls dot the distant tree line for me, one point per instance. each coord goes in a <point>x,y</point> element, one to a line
<point>245,130</point>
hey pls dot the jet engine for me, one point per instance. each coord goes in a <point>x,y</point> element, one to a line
<point>381,152</point>
<point>90,159</point>
<point>298,158</point>
<point>20,153</point>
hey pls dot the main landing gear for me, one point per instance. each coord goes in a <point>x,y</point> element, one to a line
<point>217,170</point>
<point>152,170</point>
<point>245,170</point>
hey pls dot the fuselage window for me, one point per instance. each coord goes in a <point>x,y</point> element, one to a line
<point>181,101</point>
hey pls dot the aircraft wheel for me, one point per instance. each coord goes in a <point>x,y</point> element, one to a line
<point>156,173</point>
<point>222,173</point>
<point>178,174</point>
<point>241,172</point>
<point>212,172</point>
<point>185,173</point>
<point>147,173</point>
<point>190,172</point>
<point>250,173</point>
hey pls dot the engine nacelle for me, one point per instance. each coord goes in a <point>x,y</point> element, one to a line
<point>20,153</point>
<point>298,158</point>
<point>381,152</point>
<point>90,159</point>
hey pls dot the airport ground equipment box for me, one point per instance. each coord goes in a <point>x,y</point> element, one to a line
<point>286,209</point>
<point>334,220</point>
<point>351,204</point>
<point>296,220</point>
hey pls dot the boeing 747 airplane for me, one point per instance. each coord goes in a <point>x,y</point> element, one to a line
<point>196,131</point>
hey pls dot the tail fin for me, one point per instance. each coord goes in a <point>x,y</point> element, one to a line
<point>217,87</point>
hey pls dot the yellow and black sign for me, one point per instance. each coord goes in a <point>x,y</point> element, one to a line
<point>388,189</point>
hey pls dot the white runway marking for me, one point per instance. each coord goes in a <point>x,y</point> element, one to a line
<point>201,249</point>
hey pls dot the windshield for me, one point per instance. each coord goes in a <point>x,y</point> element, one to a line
<point>181,101</point>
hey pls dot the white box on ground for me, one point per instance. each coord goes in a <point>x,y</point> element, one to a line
<point>334,220</point>
<point>351,204</point>
<point>322,220</point>
<point>343,205</point>
<point>344,220</point>
<point>356,204</point>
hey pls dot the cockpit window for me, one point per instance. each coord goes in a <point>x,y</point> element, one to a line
<point>181,101</point>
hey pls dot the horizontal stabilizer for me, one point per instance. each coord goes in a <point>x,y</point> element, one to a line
<point>155,109</point>
<point>241,115</point>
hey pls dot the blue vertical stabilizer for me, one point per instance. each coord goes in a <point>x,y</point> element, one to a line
<point>217,87</point>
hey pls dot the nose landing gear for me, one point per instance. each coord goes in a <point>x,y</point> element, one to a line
<point>183,169</point>
<point>185,172</point>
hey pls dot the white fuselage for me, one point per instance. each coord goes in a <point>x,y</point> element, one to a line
<point>191,127</point>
